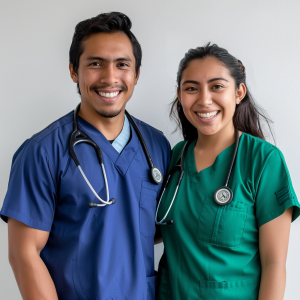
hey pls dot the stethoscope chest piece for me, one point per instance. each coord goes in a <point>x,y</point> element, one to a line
<point>223,195</point>
<point>156,175</point>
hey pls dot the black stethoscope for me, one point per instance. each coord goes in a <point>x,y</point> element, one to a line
<point>78,136</point>
<point>222,196</point>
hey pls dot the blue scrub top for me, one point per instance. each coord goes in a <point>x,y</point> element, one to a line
<point>92,253</point>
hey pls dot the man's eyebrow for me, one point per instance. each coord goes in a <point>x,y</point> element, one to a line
<point>106,60</point>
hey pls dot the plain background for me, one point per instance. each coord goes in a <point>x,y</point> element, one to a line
<point>36,88</point>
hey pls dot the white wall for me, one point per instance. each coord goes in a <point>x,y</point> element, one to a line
<point>36,89</point>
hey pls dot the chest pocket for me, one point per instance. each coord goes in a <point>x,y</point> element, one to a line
<point>147,209</point>
<point>222,225</point>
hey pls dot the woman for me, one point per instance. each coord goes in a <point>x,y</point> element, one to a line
<point>221,244</point>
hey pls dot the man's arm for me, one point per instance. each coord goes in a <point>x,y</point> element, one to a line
<point>273,246</point>
<point>33,278</point>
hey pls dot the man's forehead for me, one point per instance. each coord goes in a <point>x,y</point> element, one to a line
<point>111,45</point>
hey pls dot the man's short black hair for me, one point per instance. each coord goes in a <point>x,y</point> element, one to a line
<point>107,22</point>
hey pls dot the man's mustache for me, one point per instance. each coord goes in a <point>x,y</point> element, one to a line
<point>106,86</point>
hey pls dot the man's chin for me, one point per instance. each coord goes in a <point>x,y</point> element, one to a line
<point>109,113</point>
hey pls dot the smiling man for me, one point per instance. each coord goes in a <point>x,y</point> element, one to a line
<point>65,241</point>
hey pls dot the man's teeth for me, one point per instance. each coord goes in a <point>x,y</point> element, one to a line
<point>207,115</point>
<point>108,95</point>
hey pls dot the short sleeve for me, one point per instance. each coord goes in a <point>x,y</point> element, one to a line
<point>30,196</point>
<point>275,192</point>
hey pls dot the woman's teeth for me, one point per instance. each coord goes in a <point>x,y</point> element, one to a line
<point>108,95</point>
<point>207,115</point>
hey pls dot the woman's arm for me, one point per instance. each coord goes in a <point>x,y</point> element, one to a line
<point>273,246</point>
<point>25,245</point>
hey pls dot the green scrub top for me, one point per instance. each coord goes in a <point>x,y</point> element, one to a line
<point>212,251</point>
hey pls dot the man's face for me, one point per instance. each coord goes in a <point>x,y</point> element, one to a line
<point>106,73</point>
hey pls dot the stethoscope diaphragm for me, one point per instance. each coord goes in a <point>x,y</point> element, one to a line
<point>223,195</point>
<point>156,175</point>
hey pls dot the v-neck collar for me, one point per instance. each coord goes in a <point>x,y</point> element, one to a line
<point>121,160</point>
<point>222,160</point>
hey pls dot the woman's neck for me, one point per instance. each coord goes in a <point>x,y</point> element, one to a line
<point>208,147</point>
<point>220,140</point>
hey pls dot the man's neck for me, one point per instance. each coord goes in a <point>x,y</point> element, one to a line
<point>109,127</point>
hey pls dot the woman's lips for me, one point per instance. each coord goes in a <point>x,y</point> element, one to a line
<point>207,117</point>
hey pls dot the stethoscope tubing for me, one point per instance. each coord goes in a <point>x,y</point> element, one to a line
<point>162,221</point>
<point>181,167</point>
<point>78,136</point>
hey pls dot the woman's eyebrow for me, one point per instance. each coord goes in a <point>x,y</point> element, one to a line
<point>218,78</point>
<point>209,81</point>
<point>190,81</point>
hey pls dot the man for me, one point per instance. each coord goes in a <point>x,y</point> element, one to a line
<point>59,247</point>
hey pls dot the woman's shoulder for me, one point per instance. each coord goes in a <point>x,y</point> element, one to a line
<point>176,153</point>
<point>178,147</point>
<point>253,144</point>
<point>258,152</point>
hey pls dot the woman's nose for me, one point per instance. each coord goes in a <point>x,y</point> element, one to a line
<point>204,97</point>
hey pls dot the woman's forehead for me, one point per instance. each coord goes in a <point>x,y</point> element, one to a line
<point>205,68</point>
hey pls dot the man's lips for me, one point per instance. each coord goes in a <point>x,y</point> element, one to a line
<point>109,96</point>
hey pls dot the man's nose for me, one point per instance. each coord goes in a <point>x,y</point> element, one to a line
<point>109,75</point>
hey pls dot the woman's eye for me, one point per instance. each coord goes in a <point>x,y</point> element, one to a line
<point>217,87</point>
<point>191,88</point>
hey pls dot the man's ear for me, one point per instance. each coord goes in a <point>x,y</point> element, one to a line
<point>73,74</point>
<point>137,76</point>
<point>240,93</point>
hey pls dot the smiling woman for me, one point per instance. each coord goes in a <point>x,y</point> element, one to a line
<point>227,242</point>
<point>234,71</point>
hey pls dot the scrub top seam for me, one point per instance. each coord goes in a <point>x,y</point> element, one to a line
<point>14,161</point>
<point>48,163</point>
<point>263,166</point>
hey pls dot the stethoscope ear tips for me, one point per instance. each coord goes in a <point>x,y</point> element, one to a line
<point>113,200</point>
<point>170,222</point>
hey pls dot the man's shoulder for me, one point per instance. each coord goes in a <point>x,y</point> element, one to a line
<point>153,135</point>
<point>47,141</point>
<point>144,127</point>
<point>55,128</point>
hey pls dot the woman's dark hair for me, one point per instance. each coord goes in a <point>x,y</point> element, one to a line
<point>248,115</point>
<point>107,22</point>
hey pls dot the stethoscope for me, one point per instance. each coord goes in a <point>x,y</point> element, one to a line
<point>222,196</point>
<point>78,136</point>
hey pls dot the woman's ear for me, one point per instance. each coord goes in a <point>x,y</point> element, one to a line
<point>240,93</point>
<point>178,94</point>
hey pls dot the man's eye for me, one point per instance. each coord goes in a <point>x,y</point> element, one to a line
<point>94,64</point>
<point>123,65</point>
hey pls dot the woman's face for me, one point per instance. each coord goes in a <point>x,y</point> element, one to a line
<point>208,95</point>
